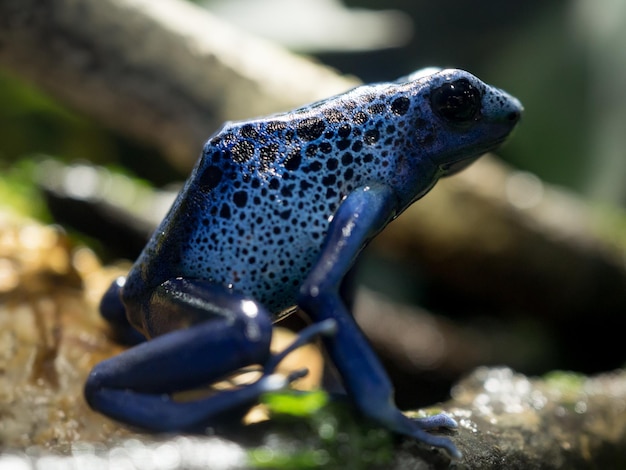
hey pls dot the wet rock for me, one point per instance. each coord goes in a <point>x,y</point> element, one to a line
<point>51,336</point>
<point>563,420</point>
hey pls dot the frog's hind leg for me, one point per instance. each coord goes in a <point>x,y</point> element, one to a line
<point>113,311</point>
<point>135,386</point>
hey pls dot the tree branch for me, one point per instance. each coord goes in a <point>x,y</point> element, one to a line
<point>167,73</point>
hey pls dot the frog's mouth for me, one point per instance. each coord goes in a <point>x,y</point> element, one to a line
<point>452,168</point>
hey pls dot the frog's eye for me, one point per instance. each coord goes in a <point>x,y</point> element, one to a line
<point>458,101</point>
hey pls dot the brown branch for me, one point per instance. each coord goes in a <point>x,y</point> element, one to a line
<point>167,73</point>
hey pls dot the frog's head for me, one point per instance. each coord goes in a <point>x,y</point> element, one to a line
<point>466,118</point>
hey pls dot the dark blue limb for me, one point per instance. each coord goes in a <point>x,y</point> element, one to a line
<point>347,290</point>
<point>134,386</point>
<point>113,311</point>
<point>360,217</point>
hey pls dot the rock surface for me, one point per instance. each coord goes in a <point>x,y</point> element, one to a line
<point>51,336</point>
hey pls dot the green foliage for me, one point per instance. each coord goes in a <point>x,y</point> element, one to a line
<point>296,404</point>
<point>19,193</point>
<point>610,224</point>
<point>31,122</point>
<point>315,432</point>
<point>567,383</point>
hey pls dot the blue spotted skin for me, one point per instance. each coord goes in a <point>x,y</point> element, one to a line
<point>272,217</point>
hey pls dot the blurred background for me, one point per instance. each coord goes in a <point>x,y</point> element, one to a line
<point>564,60</point>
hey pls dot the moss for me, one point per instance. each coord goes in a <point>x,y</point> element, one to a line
<point>567,383</point>
<point>315,432</point>
<point>19,192</point>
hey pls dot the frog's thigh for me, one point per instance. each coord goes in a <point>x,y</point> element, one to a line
<point>114,312</point>
<point>236,332</point>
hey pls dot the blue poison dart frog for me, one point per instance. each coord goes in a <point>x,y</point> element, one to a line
<point>272,218</point>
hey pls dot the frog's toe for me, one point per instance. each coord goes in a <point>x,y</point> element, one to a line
<point>441,442</point>
<point>420,429</point>
<point>297,374</point>
<point>324,328</point>
<point>432,423</point>
<point>438,421</point>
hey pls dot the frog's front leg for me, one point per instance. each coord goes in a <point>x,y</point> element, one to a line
<point>360,217</point>
<point>233,332</point>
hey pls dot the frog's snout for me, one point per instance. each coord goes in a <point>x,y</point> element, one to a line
<point>514,116</point>
<point>516,110</point>
<point>503,107</point>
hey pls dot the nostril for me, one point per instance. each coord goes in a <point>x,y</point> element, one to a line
<point>513,116</point>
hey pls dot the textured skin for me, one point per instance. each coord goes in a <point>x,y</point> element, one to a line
<point>274,214</point>
<point>255,210</point>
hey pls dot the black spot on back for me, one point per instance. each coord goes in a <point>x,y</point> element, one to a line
<point>293,160</point>
<point>333,116</point>
<point>325,147</point>
<point>400,105</point>
<point>311,150</point>
<point>275,126</point>
<point>209,178</point>
<point>371,136</point>
<point>310,128</point>
<point>329,180</point>
<point>315,166</point>
<point>268,155</point>
<point>343,144</point>
<point>242,151</point>
<point>377,108</point>
<point>274,183</point>
<point>240,198</point>
<point>344,130</point>
<point>360,118</point>
<point>249,131</point>
<point>216,156</point>
<point>225,211</point>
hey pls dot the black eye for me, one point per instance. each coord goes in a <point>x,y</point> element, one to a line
<point>458,101</point>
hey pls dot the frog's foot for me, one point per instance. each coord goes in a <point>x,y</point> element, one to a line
<point>441,442</point>
<point>419,428</point>
<point>136,386</point>
<point>126,387</point>
<point>437,421</point>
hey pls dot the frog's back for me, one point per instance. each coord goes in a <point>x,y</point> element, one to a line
<point>255,210</point>
<point>254,213</point>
